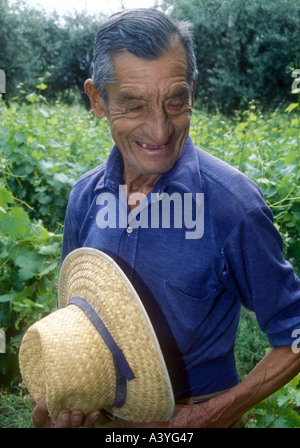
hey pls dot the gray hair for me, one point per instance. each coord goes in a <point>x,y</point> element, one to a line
<point>145,33</point>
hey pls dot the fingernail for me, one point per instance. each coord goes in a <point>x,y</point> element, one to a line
<point>65,416</point>
<point>77,417</point>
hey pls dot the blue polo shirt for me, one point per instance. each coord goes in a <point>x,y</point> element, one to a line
<point>192,281</point>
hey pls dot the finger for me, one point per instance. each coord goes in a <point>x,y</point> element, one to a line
<point>91,419</point>
<point>63,420</point>
<point>40,414</point>
<point>77,418</point>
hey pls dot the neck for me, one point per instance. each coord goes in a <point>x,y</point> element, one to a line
<point>139,183</point>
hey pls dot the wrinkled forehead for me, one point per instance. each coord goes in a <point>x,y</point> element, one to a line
<point>138,77</point>
<point>174,58</point>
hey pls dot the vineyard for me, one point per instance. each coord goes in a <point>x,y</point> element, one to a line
<point>46,147</point>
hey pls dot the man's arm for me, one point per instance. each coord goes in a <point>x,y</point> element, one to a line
<point>276,369</point>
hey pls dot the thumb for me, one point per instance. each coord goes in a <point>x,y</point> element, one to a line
<point>40,415</point>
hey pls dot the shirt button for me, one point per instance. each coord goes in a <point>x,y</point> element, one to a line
<point>129,230</point>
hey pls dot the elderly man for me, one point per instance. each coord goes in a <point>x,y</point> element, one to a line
<point>191,283</point>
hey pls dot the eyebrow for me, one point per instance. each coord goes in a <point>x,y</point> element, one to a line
<point>130,97</point>
<point>183,91</point>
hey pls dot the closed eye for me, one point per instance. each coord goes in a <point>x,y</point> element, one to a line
<point>176,106</point>
<point>135,108</point>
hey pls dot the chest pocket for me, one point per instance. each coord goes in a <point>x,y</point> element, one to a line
<point>188,316</point>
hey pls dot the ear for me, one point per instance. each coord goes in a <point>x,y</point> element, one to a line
<point>95,99</point>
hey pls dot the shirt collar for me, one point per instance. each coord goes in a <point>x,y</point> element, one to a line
<point>184,176</point>
<point>113,173</point>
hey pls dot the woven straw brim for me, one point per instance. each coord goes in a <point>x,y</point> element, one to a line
<point>57,359</point>
<point>64,357</point>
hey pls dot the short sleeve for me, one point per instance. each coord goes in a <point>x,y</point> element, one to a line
<point>258,273</point>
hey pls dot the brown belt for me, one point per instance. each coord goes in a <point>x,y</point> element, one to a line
<point>200,399</point>
<point>240,423</point>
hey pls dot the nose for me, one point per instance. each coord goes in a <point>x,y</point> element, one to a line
<point>158,126</point>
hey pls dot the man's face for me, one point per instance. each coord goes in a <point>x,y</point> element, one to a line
<point>149,110</point>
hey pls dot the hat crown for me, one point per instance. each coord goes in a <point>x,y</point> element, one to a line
<point>65,357</point>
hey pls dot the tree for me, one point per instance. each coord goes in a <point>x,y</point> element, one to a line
<point>35,43</point>
<point>245,50</point>
<point>74,65</point>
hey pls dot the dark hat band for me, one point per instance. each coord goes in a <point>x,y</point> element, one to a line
<point>122,368</point>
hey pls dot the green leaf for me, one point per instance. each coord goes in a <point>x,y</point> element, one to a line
<point>291,107</point>
<point>33,97</point>
<point>42,86</point>
<point>5,198</point>
<point>63,178</point>
<point>16,223</point>
<point>293,388</point>
<point>240,127</point>
<point>8,297</point>
<point>52,249</point>
<point>50,268</point>
<point>291,157</point>
<point>29,265</point>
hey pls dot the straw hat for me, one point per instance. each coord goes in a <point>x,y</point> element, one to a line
<point>99,349</point>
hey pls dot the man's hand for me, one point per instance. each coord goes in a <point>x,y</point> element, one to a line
<point>189,416</point>
<point>276,369</point>
<point>66,419</point>
<point>184,416</point>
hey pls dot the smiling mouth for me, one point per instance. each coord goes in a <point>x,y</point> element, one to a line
<point>152,147</point>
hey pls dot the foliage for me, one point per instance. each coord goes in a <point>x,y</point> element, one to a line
<point>41,42</point>
<point>245,50</point>
<point>251,343</point>
<point>15,410</point>
<point>281,410</point>
<point>44,149</point>
<point>48,148</point>
<point>29,263</point>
